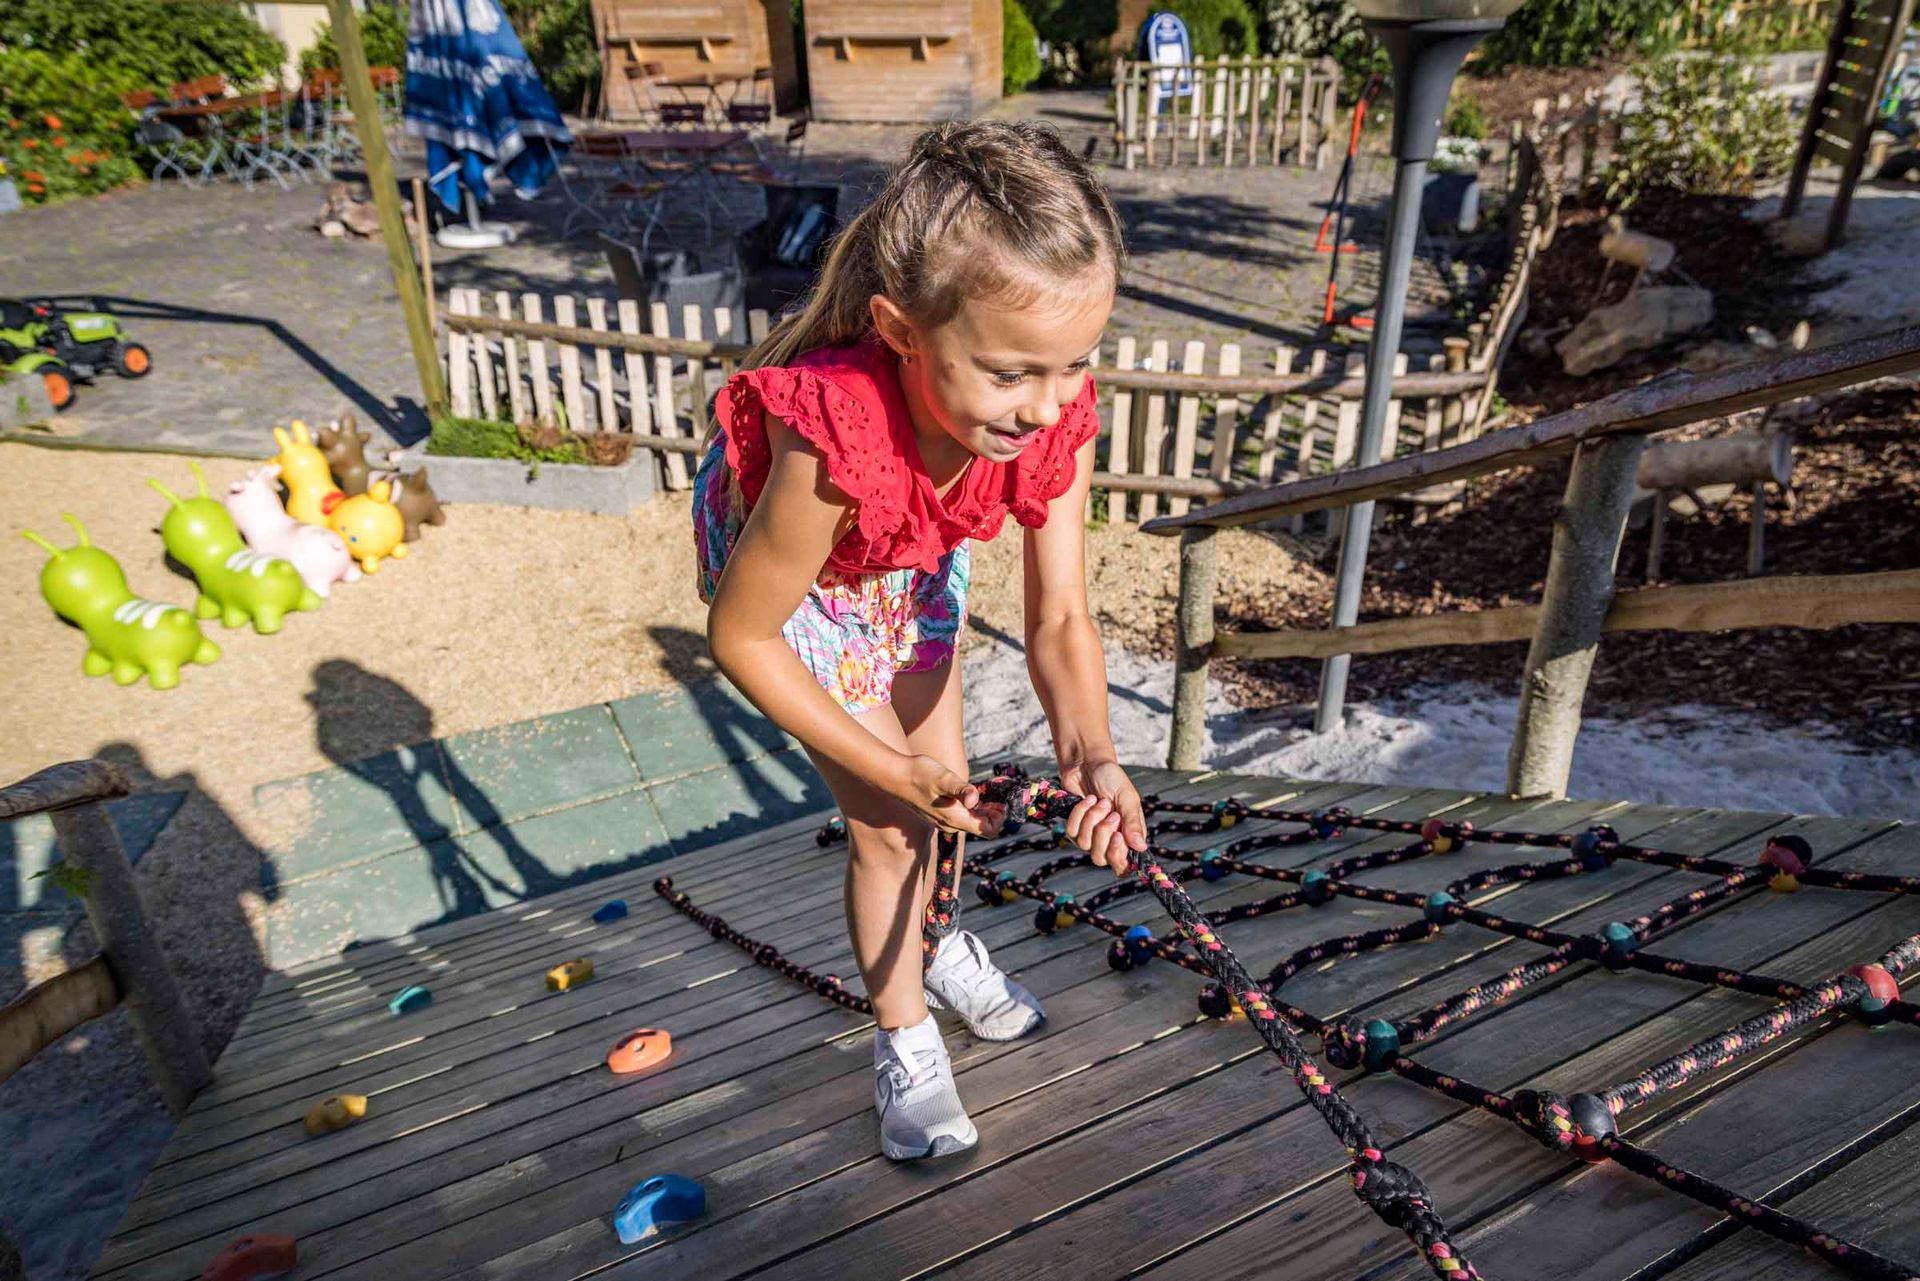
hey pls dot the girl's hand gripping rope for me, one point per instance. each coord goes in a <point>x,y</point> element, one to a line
<point>1109,820</point>
<point>944,798</point>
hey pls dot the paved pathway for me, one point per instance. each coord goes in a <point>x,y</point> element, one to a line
<point>255,319</point>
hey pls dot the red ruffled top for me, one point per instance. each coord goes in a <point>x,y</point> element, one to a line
<point>848,404</point>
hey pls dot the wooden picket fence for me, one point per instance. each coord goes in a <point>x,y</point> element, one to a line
<point>1239,111</point>
<point>1197,425</point>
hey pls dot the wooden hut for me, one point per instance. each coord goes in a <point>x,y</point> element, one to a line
<point>902,59</point>
<point>690,38</point>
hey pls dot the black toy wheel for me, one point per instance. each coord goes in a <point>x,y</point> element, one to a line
<point>133,361</point>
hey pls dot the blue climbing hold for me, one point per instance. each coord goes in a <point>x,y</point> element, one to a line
<point>611,910</point>
<point>1383,1045</point>
<point>1316,888</point>
<point>1618,943</point>
<point>1139,943</point>
<point>1437,904</point>
<point>1326,824</point>
<point>653,1203</point>
<point>409,1000</point>
<point>1210,868</point>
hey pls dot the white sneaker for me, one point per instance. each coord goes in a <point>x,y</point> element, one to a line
<point>913,1091</point>
<point>964,980</point>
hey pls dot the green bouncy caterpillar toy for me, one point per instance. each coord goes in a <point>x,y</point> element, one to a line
<point>236,585</point>
<point>127,637</point>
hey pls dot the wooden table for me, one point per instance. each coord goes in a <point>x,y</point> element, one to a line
<point>694,142</point>
<point>225,106</point>
<point>1126,1135</point>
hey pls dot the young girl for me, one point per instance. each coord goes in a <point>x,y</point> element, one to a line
<point>935,383</point>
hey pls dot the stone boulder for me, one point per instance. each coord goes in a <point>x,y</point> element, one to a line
<point>1643,320</point>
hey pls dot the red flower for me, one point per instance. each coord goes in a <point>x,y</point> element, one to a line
<point>60,141</point>
<point>36,189</point>
<point>53,121</point>
<point>30,143</point>
<point>33,175</point>
<point>13,124</point>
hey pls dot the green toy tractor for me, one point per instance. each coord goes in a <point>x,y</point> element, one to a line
<point>65,347</point>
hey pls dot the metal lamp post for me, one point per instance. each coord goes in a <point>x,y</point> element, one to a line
<point>1427,41</point>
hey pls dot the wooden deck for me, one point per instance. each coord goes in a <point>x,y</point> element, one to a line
<point>1130,1137</point>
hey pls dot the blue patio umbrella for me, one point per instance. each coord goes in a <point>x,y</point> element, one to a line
<point>478,102</point>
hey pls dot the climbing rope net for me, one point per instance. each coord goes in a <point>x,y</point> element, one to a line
<point>1584,1125</point>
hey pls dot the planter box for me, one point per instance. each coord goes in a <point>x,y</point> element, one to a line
<point>574,487</point>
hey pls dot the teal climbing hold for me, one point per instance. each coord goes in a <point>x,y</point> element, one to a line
<point>410,999</point>
<point>653,1203</point>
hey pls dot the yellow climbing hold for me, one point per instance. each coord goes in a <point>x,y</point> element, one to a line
<point>335,1112</point>
<point>571,974</point>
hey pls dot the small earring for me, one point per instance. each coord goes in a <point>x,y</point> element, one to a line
<point>906,357</point>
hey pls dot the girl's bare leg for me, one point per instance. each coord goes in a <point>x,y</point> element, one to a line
<point>889,878</point>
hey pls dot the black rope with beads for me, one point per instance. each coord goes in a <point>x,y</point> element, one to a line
<point>1583,1125</point>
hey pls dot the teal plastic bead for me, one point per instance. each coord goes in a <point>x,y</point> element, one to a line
<point>1383,1045</point>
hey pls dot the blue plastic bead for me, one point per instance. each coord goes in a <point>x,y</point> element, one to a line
<point>656,1202</point>
<point>409,1000</point>
<point>1437,904</point>
<point>1619,943</point>
<point>1210,868</point>
<point>1383,1045</point>
<point>1316,888</point>
<point>1139,942</point>
<point>611,910</point>
<point>1586,848</point>
<point>1326,825</point>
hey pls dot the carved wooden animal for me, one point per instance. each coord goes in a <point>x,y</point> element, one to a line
<point>345,445</point>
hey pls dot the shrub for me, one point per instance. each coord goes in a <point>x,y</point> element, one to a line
<point>1572,33</point>
<point>487,438</point>
<point>1079,36</point>
<point>151,43</point>
<point>559,40</point>
<point>63,129</point>
<point>1704,125</point>
<point>383,33</point>
<point>1465,119</point>
<point>1019,48</point>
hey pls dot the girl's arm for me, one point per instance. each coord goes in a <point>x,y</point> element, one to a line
<point>787,538</point>
<point>1070,675</point>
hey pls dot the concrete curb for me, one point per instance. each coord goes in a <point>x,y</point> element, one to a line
<point>608,491</point>
<point>24,403</point>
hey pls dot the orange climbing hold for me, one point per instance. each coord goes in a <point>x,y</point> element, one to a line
<point>570,974</point>
<point>335,1112</point>
<point>641,1049</point>
<point>260,1255</point>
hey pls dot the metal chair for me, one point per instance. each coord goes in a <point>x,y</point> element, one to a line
<point>683,115</point>
<point>606,188</point>
<point>165,144</point>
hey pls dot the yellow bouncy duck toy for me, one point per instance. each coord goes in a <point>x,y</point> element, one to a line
<point>371,524</point>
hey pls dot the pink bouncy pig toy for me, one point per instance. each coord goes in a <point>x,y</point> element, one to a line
<point>317,552</point>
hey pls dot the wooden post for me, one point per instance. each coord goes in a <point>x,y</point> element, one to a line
<point>1193,645</point>
<point>71,795</point>
<point>1656,535</point>
<point>386,199</point>
<point>1757,531</point>
<point>423,246</point>
<point>1579,589</point>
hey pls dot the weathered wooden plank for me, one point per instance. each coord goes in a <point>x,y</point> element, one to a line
<point>1019,1186</point>
<point>1120,432</point>
<point>510,353</point>
<point>1568,1037</point>
<point>609,415</point>
<point>1226,419</point>
<point>48,1011</point>
<point>347,1166</point>
<point>1186,424</point>
<point>584,1243</point>
<point>1154,435</point>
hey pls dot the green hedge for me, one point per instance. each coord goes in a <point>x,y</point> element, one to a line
<point>1019,50</point>
<point>150,43</point>
<point>63,129</point>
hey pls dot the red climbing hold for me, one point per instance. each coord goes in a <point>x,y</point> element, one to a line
<point>260,1255</point>
<point>641,1049</point>
<point>1881,985</point>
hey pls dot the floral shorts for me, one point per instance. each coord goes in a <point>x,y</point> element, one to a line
<point>855,633</point>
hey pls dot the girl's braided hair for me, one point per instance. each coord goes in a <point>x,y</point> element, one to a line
<point>984,208</point>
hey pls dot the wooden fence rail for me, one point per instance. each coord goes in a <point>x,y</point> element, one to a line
<point>131,967</point>
<point>1230,111</point>
<point>1578,602</point>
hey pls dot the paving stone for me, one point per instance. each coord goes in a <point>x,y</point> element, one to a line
<point>374,806</point>
<point>683,731</point>
<point>510,771</point>
<point>722,804</point>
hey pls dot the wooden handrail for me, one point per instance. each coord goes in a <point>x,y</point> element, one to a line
<point>1664,403</point>
<point>1816,601</point>
<point>48,1011</point>
<point>61,786</point>
<point>652,344</point>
